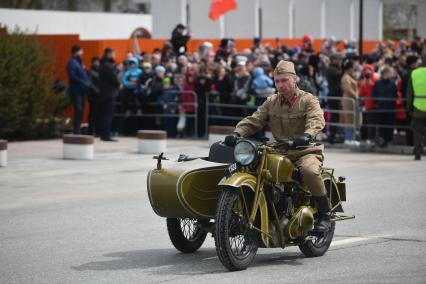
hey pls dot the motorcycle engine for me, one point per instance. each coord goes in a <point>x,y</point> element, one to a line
<point>300,224</point>
<point>284,208</point>
<point>273,230</point>
<point>297,222</point>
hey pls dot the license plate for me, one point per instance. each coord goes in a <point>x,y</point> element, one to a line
<point>233,168</point>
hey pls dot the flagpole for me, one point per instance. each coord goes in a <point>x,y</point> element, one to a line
<point>222,26</point>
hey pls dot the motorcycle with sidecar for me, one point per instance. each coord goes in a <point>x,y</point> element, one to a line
<point>247,196</point>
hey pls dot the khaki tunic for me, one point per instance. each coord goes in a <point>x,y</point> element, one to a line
<point>350,90</point>
<point>285,122</point>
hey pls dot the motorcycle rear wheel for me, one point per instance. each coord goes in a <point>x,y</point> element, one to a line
<point>236,244</point>
<point>320,245</point>
<point>185,234</point>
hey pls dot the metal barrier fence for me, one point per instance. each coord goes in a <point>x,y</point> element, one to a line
<point>354,112</point>
<point>212,102</point>
<point>154,105</point>
<point>216,111</point>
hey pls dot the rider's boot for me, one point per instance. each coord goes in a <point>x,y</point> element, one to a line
<point>323,222</point>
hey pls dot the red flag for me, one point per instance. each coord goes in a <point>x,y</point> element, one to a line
<point>221,7</point>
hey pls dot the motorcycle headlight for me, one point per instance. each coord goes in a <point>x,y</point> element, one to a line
<point>245,152</point>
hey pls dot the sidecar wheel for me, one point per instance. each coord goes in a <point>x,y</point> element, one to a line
<point>186,235</point>
<point>319,246</point>
<point>236,244</point>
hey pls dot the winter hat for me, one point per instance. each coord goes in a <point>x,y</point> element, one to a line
<point>180,26</point>
<point>146,65</point>
<point>133,60</point>
<point>208,44</point>
<point>307,38</point>
<point>223,43</point>
<point>160,69</point>
<point>166,81</point>
<point>411,60</point>
<point>75,48</point>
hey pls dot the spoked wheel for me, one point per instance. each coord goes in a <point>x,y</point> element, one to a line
<point>186,234</point>
<point>236,244</point>
<point>319,245</point>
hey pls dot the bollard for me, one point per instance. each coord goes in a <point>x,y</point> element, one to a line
<point>3,153</point>
<point>151,141</point>
<point>78,147</point>
<point>218,133</point>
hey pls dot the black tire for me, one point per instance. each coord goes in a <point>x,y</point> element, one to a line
<point>186,235</point>
<point>236,244</point>
<point>320,245</point>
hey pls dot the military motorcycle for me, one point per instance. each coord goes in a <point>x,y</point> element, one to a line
<point>247,196</point>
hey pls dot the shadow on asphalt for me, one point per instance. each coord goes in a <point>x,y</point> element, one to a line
<point>159,261</point>
<point>168,261</point>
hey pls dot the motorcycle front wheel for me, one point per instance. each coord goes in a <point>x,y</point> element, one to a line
<point>236,244</point>
<point>186,234</point>
<point>319,245</point>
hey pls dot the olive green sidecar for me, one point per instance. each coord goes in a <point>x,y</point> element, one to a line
<point>186,193</point>
<point>186,189</point>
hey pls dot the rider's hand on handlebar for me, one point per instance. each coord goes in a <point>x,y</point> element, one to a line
<point>231,140</point>
<point>302,140</point>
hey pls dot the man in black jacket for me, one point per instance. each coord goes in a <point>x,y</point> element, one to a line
<point>333,76</point>
<point>108,87</point>
<point>93,94</point>
<point>179,40</point>
<point>78,85</point>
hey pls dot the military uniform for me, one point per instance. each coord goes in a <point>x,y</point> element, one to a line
<point>289,119</point>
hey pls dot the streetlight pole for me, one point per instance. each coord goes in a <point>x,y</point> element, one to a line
<point>360,39</point>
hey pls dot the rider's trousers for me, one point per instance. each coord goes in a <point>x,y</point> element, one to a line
<point>310,162</point>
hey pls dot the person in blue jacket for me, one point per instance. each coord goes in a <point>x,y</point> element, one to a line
<point>169,100</point>
<point>262,85</point>
<point>78,85</point>
<point>132,86</point>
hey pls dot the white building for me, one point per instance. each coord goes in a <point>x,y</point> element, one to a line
<point>88,25</point>
<point>266,18</point>
<point>282,18</point>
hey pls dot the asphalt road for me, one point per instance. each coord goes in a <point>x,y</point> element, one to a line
<point>91,222</point>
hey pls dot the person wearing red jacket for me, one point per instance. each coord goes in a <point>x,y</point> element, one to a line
<point>187,100</point>
<point>187,97</point>
<point>366,85</point>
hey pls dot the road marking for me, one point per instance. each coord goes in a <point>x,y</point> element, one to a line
<point>210,258</point>
<point>348,241</point>
<point>334,243</point>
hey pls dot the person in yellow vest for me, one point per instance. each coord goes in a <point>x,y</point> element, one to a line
<point>416,106</point>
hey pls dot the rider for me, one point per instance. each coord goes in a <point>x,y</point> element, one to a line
<point>296,115</point>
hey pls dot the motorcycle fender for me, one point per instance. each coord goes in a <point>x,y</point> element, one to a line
<point>238,180</point>
<point>335,193</point>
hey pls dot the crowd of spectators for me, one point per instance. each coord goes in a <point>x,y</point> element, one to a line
<point>363,96</point>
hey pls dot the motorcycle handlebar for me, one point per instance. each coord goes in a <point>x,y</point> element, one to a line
<point>289,144</point>
<point>285,143</point>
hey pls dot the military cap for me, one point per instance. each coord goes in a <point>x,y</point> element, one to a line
<point>285,67</point>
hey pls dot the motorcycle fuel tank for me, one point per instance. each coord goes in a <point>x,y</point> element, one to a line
<point>280,167</point>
